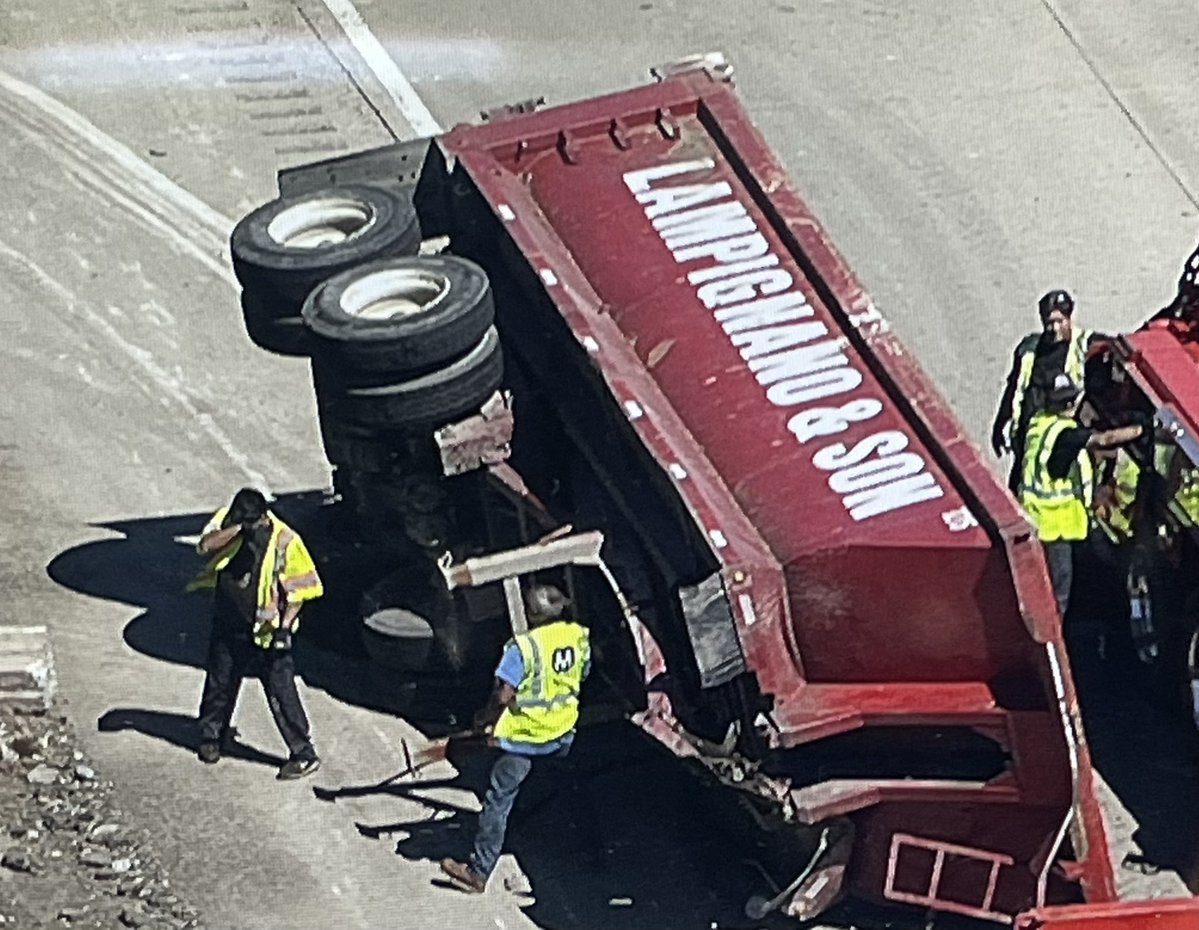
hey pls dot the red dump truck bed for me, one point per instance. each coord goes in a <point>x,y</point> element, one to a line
<point>879,579</point>
<point>878,574</point>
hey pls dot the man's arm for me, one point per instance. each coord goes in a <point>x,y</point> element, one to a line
<point>217,539</point>
<point>1110,438</point>
<point>503,696</point>
<point>1070,442</point>
<point>290,613</point>
<point>1003,415</point>
<point>508,675</point>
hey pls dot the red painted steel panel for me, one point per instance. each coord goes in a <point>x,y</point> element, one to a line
<point>862,537</point>
<point>1164,358</point>
<point>1177,914</point>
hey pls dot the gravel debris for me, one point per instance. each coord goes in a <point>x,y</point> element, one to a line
<point>68,858</point>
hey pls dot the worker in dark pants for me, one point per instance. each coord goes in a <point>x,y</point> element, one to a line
<point>262,574</point>
<point>1059,348</point>
<point>534,709</point>
<point>1057,479</point>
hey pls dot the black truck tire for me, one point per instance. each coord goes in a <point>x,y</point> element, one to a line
<point>286,247</point>
<point>283,335</point>
<point>405,315</point>
<point>355,448</point>
<point>398,639</point>
<point>430,400</point>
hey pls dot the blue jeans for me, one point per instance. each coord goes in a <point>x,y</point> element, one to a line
<point>507,775</point>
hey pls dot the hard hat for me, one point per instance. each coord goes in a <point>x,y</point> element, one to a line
<point>1056,300</point>
<point>545,602</point>
<point>1064,390</point>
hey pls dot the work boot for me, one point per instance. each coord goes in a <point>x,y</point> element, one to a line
<point>298,768</point>
<point>210,753</point>
<point>463,876</point>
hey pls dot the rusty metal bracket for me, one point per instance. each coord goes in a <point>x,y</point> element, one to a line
<point>667,124</point>
<point>566,148</point>
<point>484,439</point>
<point>618,129</point>
<point>508,110</point>
<point>714,64</point>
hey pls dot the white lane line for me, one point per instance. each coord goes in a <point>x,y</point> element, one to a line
<point>110,170</point>
<point>171,385</point>
<point>137,169</point>
<point>384,68</point>
<point>191,226</point>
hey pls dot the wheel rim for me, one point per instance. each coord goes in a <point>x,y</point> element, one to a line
<point>316,224</point>
<point>393,294</point>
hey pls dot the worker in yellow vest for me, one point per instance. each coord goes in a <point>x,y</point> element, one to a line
<point>261,575</point>
<point>1115,498</point>
<point>1057,479</point>
<point>1059,348</point>
<point>534,709</point>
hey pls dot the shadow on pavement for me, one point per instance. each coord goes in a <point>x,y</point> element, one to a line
<point>148,568</point>
<point>621,836</point>
<point>615,836</point>
<point>1149,758</point>
<point>179,730</point>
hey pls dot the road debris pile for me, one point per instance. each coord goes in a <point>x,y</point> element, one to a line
<point>67,856</point>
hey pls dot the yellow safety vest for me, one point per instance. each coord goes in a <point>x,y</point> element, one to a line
<point>1186,489</point>
<point>1118,524</point>
<point>288,574</point>
<point>547,700</point>
<point>1076,360</point>
<point>1058,506</point>
<point>1184,479</point>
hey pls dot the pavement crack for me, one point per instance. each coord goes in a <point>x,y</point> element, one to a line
<point>348,73</point>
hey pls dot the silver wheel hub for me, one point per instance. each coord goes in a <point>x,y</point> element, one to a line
<point>318,223</point>
<point>394,293</point>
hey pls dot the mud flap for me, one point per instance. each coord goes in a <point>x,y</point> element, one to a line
<point>712,631</point>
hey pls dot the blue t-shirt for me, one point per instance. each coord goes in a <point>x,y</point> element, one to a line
<point>510,671</point>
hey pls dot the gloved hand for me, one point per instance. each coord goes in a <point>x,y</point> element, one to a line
<point>998,442</point>
<point>281,642</point>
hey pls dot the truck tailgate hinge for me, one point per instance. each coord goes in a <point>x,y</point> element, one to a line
<point>508,110</point>
<point>717,67</point>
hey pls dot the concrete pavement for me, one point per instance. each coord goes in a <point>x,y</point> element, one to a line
<point>963,163</point>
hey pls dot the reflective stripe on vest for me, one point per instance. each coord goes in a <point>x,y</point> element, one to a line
<point>297,582</point>
<point>1118,524</point>
<point>1076,360</point>
<point>547,700</point>
<point>1058,506</point>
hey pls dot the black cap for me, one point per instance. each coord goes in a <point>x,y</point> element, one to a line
<point>1056,300</point>
<point>248,506</point>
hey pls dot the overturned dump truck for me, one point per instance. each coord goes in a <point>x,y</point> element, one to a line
<point>614,325</point>
<point>1152,535</point>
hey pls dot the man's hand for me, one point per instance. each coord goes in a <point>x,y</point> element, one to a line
<point>999,443</point>
<point>1105,501</point>
<point>503,695</point>
<point>281,642</point>
<point>218,539</point>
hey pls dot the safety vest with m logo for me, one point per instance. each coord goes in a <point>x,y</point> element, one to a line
<point>547,699</point>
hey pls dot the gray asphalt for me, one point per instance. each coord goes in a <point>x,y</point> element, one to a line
<point>964,163</point>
